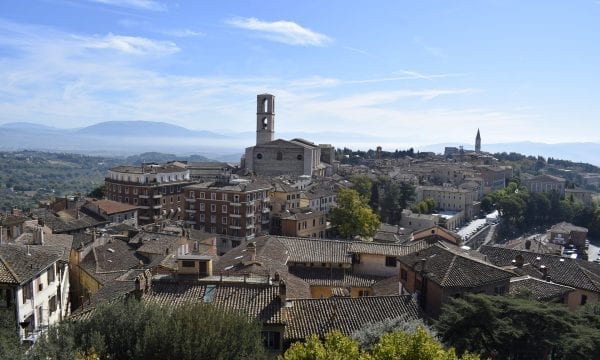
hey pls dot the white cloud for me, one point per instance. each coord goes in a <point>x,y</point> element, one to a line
<point>182,33</point>
<point>135,4</point>
<point>286,32</point>
<point>131,44</point>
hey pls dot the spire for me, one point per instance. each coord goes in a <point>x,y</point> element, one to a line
<point>478,142</point>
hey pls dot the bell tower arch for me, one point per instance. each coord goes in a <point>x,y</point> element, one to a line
<point>265,118</point>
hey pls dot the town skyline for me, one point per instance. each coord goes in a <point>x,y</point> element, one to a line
<point>411,69</point>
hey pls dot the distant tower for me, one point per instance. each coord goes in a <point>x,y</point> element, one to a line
<point>265,118</point>
<point>478,142</point>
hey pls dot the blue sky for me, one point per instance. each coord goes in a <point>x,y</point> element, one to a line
<point>405,72</point>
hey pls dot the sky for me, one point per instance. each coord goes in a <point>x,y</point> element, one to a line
<point>403,72</point>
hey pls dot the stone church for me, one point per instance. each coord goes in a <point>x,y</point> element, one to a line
<point>270,157</point>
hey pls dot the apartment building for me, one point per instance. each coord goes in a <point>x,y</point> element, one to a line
<point>235,209</point>
<point>157,190</point>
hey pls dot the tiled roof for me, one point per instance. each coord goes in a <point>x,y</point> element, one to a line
<point>258,301</point>
<point>271,257</point>
<point>68,222</point>
<point>535,245</point>
<point>319,316</point>
<point>51,241</point>
<point>364,247</point>
<point>565,227</point>
<point>234,187</point>
<point>113,207</point>
<point>570,272</point>
<point>387,287</point>
<point>333,277</point>
<point>155,243</point>
<point>11,220</point>
<point>540,290</point>
<point>111,260</point>
<point>19,264</point>
<point>317,250</point>
<point>453,269</point>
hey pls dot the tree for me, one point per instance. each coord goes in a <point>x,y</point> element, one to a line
<point>9,340</point>
<point>99,192</point>
<point>397,345</point>
<point>352,216</point>
<point>513,328</point>
<point>135,330</point>
<point>362,185</point>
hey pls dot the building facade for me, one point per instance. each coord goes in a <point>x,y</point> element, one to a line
<point>237,210</point>
<point>157,190</point>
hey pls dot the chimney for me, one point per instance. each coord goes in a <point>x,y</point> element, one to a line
<point>519,260</point>
<point>527,244</point>
<point>282,292</point>
<point>423,265</point>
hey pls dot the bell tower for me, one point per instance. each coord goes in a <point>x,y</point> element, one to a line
<point>478,142</point>
<point>265,118</point>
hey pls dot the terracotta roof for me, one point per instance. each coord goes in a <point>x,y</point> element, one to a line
<point>333,277</point>
<point>19,263</point>
<point>565,227</point>
<point>111,260</point>
<point>570,272</point>
<point>111,207</point>
<point>155,243</point>
<point>539,289</point>
<point>233,187</point>
<point>386,249</point>
<point>258,301</point>
<point>317,250</point>
<point>453,269</point>
<point>319,316</point>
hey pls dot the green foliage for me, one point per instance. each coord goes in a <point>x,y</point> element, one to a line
<point>10,348</point>
<point>28,177</point>
<point>362,185</point>
<point>134,330</point>
<point>368,335</point>
<point>424,207</point>
<point>397,345</point>
<point>516,328</point>
<point>352,216</point>
<point>99,192</point>
<point>392,198</point>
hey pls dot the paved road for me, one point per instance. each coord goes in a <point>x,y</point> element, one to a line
<point>471,229</point>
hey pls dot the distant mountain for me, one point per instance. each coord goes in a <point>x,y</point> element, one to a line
<point>163,158</point>
<point>29,127</point>
<point>143,129</point>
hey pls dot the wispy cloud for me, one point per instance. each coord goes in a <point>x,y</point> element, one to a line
<point>421,76</point>
<point>433,50</point>
<point>282,31</point>
<point>349,48</point>
<point>135,4</point>
<point>182,33</point>
<point>131,44</point>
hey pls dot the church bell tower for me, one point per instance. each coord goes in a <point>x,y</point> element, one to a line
<point>478,142</point>
<point>265,118</point>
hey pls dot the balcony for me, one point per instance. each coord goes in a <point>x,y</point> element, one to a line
<point>235,215</point>
<point>235,227</point>
<point>235,204</point>
<point>265,210</point>
<point>143,196</point>
<point>192,211</point>
<point>250,214</point>
<point>157,196</point>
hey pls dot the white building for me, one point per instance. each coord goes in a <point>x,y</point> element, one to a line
<point>34,283</point>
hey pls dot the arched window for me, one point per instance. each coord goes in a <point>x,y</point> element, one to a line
<point>265,123</point>
<point>279,155</point>
<point>265,105</point>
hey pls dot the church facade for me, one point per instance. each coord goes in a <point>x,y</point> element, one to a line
<point>274,157</point>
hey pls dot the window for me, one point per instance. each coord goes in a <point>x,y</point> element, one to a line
<point>5,298</point>
<point>213,196</point>
<point>279,155</point>
<point>201,217</point>
<point>363,293</point>
<point>499,290</point>
<point>271,340</point>
<point>403,274</point>
<point>299,157</point>
<point>135,191</point>
<point>51,274</point>
<point>201,195</point>
<point>213,207</point>
<point>27,291</point>
<point>224,209</point>
<point>52,304</point>
<point>224,197</point>
<point>188,264</point>
<point>213,219</point>
<point>583,300</point>
<point>224,220</point>
<point>390,261</point>
<point>126,190</point>
<point>259,156</point>
<point>135,201</point>
<point>201,206</point>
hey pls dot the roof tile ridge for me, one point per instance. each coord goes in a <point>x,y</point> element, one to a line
<point>9,268</point>
<point>448,270</point>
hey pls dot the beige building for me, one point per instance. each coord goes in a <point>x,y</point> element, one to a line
<point>544,184</point>
<point>449,198</point>
<point>271,157</point>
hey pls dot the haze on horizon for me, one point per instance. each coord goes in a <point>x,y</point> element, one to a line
<point>414,73</point>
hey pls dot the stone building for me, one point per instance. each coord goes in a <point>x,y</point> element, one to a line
<point>157,190</point>
<point>273,157</point>
<point>544,184</point>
